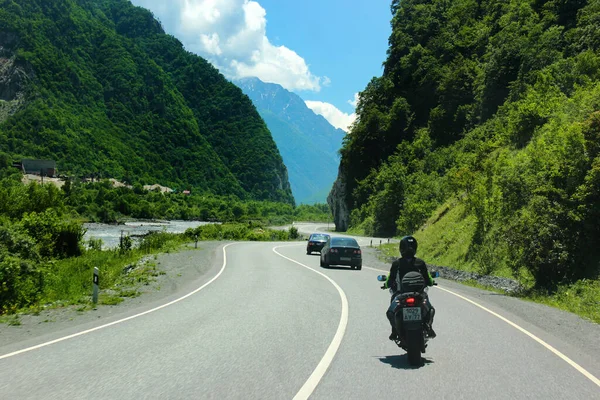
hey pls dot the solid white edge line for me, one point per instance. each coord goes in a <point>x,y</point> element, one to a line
<point>572,363</point>
<point>14,353</point>
<point>313,380</point>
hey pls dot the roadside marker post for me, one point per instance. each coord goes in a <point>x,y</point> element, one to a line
<point>96,283</point>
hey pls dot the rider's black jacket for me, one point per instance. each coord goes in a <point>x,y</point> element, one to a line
<point>404,265</point>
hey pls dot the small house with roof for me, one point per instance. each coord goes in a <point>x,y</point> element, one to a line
<point>39,167</point>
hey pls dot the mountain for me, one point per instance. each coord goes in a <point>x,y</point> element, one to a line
<point>308,143</point>
<point>482,137</point>
<point>98,86</point>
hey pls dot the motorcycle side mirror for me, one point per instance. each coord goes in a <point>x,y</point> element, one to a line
<point>435,274</point>
<point>382,278</point>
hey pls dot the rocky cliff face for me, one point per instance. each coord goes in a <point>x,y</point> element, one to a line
<point>337,203</point>
<point>14,77</point>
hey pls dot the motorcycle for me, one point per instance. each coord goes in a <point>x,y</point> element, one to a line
<point>411,314</point>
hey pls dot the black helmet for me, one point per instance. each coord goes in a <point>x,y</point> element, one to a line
<point>408,246</point>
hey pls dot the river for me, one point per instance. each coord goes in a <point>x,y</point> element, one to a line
<point>110,234</point>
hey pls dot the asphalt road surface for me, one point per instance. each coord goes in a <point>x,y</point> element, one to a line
<point>271,324</point>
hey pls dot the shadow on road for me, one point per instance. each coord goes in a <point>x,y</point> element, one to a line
<point>401,361</point>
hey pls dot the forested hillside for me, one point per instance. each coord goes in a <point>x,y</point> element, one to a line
<point>485,122</point>
<point>99,87</point>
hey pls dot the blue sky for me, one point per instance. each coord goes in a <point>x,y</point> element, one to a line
<point>324,50</point>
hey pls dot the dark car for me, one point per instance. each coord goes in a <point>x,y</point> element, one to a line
<point>341,251</point>
<point>316,241</point>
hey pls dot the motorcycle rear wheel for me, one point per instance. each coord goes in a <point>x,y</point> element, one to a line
<point>413,347</point>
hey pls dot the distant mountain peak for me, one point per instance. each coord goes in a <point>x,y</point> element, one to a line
<point>308,143</point>
<point>272,96</point>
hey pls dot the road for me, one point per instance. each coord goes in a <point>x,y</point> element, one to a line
<point>271,324</point>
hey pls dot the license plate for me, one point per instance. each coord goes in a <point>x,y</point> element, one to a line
<point>346,258</point>
<point>411,314</point>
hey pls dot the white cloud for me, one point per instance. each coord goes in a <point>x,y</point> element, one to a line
<point>212,44</point>
<point>332,114</point>
<point>232,34</point>
<point>354,102</point>
<point>326,81</point>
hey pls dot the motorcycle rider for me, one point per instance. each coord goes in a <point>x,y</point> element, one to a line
<point>408,263</point>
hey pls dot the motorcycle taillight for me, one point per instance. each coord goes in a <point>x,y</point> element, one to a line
<point>410,301</point>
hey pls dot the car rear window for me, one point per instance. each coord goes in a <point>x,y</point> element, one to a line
<point>344,242</point>
<point>318,237</point>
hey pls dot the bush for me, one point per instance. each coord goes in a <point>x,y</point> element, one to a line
<point>16,241</point>
<point>125,244</point>
<point>157,240</point>
<point>95,244</point>
<point>22,283</point>
<point>55,237</point>
<point>542,241</point>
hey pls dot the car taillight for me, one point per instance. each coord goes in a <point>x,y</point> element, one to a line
<point>333,250</point>
<point>357,252</point>
<point>311,243</point>
<point>410,301</point>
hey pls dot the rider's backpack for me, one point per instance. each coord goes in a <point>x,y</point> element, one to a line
<point>412,282</point>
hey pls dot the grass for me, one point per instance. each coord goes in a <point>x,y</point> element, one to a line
<point>582,298</point>
<point>446,239</point>
<point>386,251</point>
<point>356,231</point>
<point>110,300</point>
<point>69,281</point>
<point>132,293</point>
<point>12,320</point>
